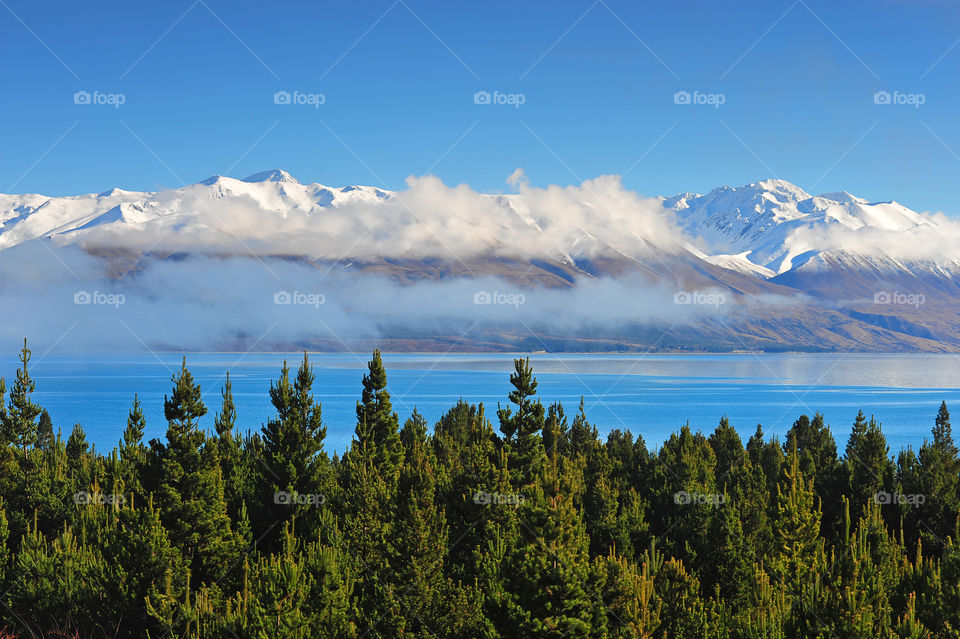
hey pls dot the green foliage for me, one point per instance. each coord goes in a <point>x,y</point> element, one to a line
<point>294,473</point>
<point>522,430</point>
<point>190,488</point>
<point>18,423</point>
<point>457,532</point>
<point>868,466</point>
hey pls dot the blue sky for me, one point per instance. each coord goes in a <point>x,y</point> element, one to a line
<point>597,81</point>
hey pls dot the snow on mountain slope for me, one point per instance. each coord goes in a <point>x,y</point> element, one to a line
<point>273,213</point>
<point>30,216</point>
<point>764,229</point>
<point>775,225</point>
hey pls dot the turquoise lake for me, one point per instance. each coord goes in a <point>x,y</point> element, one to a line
<point>651,395</point>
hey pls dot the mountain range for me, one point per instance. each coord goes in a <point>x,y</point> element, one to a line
<point>792,271</point>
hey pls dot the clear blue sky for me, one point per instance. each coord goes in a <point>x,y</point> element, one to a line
<point>597,79</point>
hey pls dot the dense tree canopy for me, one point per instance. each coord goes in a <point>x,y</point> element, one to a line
<point>530,527</point>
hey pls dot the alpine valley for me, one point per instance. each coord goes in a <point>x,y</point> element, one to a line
<point>760,267</point>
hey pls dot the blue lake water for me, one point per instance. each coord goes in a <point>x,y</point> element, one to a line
<point>652,395</point>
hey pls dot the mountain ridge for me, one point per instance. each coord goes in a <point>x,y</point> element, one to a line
<point>798,271</point>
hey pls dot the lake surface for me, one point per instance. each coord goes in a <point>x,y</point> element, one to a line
<point>651,395</point>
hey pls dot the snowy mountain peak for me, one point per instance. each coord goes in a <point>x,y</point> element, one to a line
<point>843,197</point>
<point>765,228</point>
<point>778,187</point>
<point>776,225</point>
<point>275,175</point>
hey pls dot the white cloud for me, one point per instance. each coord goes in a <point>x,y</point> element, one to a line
<point>428,218</point>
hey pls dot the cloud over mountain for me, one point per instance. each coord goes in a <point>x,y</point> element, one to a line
<point>593,266</point>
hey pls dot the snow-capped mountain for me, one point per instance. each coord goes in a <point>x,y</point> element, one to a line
<point>773,226</point>
<point>807,271</point>
<point>764,229</point>
<point>276,192</point>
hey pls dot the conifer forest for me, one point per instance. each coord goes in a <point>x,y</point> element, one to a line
<point>516,520</point>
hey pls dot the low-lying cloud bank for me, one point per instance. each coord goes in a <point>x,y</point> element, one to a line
<point>60,296</point>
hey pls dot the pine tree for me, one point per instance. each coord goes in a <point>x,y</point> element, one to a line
<point>77,443</point>
<point>728,449</point>
<point>274,598</point>
<point>467,446</point>
<point>939,484</point>
<point>45,437</point>
<point>682,611</point>
<point>234,465</point>
<point>132,451</point>
<point>908,481</point>
<point>368,494</point>
<point>868,466</point>
<point>296,476</point>
<point>376,421</point>
<point>943,434</point>
<point>629,604</point>
<point>583,435</point>
<point>684,495</point>
<point>522,430</point>
<point>556,432</point>
<point>18,424</point>
<point>421,536</point>
<point>768,456</point>
<point>730,566</point>
<point>136,426</point>
<point>190,490</point>
<point>817,452</point>
<point>226,419</point>
<point>799,547</point>
<point>549,590</point>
